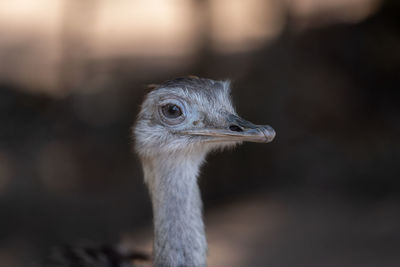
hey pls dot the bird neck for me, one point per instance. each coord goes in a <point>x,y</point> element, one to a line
<point>179,237</point>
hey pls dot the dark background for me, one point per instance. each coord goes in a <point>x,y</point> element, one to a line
<point>325,76</point>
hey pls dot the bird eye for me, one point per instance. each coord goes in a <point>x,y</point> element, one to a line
<point>171,111</point>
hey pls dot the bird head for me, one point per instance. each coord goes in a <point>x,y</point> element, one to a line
<point>192,114</point>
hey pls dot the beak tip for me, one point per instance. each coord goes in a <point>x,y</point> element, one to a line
<point>269,133</point>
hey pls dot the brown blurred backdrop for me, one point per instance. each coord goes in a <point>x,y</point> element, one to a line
<point>324,74</point>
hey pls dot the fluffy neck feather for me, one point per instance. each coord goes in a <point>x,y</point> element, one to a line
<point>179,238</point>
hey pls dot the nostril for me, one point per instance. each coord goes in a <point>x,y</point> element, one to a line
<point>235,128</point>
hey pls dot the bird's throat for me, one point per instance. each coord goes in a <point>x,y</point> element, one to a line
<point>179,238</point>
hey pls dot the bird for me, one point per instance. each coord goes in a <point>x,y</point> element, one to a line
<point>179,123</point>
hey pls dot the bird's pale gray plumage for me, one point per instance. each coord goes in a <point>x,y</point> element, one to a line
<point>180,121</point>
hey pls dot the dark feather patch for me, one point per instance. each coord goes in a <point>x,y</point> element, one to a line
<point>100,256</point>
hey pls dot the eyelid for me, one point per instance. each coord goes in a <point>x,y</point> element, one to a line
<point>172,121</point>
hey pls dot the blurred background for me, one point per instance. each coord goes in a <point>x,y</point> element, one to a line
<point>324,74</point>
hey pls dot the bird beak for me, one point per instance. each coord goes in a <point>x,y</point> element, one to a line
<point>238,130</point>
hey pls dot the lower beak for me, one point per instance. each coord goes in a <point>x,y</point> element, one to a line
<point>238,129</point>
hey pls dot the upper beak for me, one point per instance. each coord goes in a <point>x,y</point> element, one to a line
<point>238,129</point>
